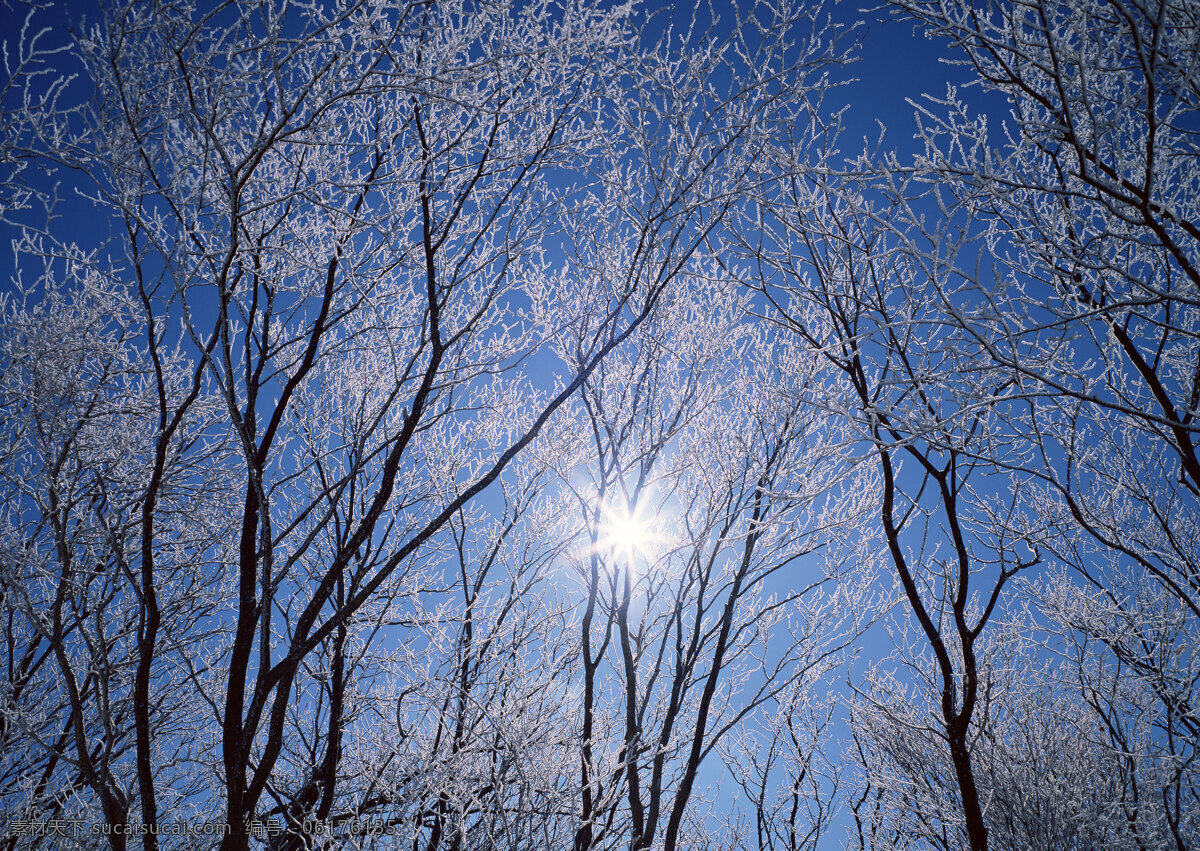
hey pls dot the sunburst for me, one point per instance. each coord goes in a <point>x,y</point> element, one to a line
<point>626,533</point>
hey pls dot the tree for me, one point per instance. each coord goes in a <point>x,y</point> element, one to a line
<point>841,263</point>
<point>76,395</point>
<point>790,773</point>
<point>1090,307</point>
<point>1074,712</point>
<point>336,255</point>
<point>1089,217</point>
<point>477,425</point>
<point>700,440</point>
<point>1025,311</point>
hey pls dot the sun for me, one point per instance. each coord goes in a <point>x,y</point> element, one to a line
<point>626,533</point>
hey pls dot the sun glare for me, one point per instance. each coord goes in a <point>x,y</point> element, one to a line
<point>627,533</point>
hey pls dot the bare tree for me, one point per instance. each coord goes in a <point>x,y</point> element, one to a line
<point>464,425</point>
<point>1089,302</point>
<point>30,86</point>
<point>842,265</point>
<point>290,211</point>
<point>711,588</point>
<point>790,771</point>
<point>1090,220</point>
<point>336,256</point>
<point>78,489</point>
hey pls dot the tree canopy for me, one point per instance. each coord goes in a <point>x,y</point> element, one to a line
<point>540,425</point>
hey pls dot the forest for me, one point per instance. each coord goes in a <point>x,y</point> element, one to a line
<point>454,425</point>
